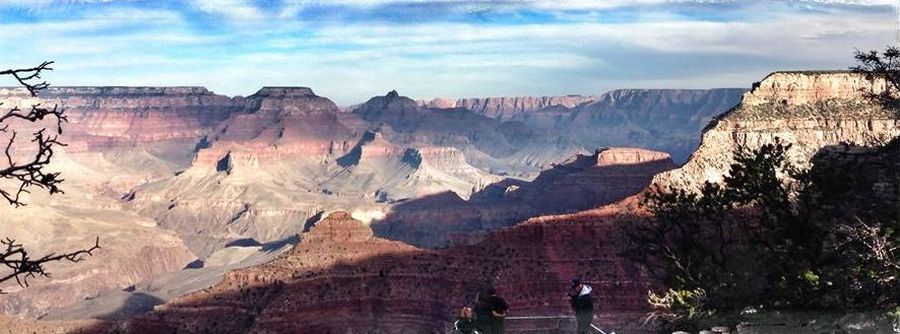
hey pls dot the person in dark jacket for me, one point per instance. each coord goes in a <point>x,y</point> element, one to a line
<point>465,322</point>
<point>583,305</point>
<point>482,311</point>
<point>490,312</point>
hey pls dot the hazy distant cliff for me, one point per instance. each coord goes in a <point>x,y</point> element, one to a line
<point>667,120</point>
<point>506,107</point>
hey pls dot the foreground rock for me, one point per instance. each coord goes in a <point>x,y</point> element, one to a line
<point>340,278</point>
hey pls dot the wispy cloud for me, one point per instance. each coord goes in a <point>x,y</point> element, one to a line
<point>232,9</point>
<point>351,49</point>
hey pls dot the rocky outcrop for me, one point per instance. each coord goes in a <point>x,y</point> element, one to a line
<point>504,108</point>
<point>340,278</point>
<point>584,182</point>
<point>279,123</point>
<point>808,110</point>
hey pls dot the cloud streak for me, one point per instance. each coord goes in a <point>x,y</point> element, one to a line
<point>350,50</point>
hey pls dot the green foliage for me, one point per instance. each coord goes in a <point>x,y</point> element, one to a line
<point>884,65</point>
<point>774,237</point>
<point>682,304</point>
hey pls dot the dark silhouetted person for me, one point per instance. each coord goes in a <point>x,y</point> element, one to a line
<point>490,311</point>
<point>583,304</point>
<point>465,322</point>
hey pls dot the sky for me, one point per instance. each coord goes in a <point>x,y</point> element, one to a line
<point>351,50</point>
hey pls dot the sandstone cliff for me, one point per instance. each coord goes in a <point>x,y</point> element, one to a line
<point>809,110</point>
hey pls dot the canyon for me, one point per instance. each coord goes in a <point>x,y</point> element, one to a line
<point>528,261</point>
<point>199,184</point>
<point>281,212</point>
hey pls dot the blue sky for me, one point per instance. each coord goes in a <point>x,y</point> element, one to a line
<point>350,50</point>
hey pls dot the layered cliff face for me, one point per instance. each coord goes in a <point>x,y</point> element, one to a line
<point>584,182</point>
<point>392,172</point>
<point>667,120</point>
<point>279,123</point>
<point>808,110</point>
<point>340,278</point>
<point>168,121</point>
<point>504,108</point>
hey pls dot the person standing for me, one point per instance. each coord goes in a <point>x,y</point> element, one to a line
<point>465,322</point>
<point>490,312</point>
<point>583,304</point>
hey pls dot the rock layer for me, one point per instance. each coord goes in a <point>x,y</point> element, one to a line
<point>103,118</point>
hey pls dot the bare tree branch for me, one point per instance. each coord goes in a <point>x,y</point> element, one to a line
<point>28,172</point>
<point>24,75</point>
<point>22,266</point>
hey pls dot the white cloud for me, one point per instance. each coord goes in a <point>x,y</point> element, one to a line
<point>233,9</point>
<point>350,61</point>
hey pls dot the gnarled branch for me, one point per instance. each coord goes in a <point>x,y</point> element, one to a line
<point>31,171</point>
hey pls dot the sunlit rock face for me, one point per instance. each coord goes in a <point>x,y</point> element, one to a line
<point>290,155</point>
<point>808,110</point>
<point>341,278</point>
<point>583,182</point>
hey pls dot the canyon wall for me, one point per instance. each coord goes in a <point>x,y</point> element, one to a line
<point>665,120</point>
<point>505,107</point>
<point>168,120</point>
<point>808,110</point>
<point>400,289</point>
